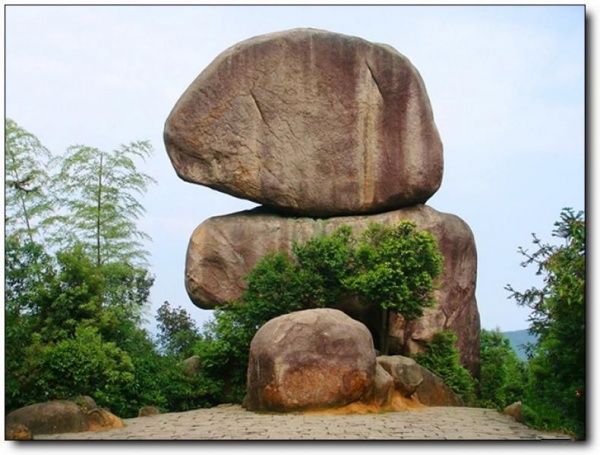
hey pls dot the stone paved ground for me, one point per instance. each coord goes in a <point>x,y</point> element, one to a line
<point>234,423</point>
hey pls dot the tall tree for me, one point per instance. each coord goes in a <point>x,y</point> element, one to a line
<point>396,270</point>
<point>502,376</point>
<point>177,331</point>
<point>99,193</point>
<point>28,204</point>
<point>558,317</point>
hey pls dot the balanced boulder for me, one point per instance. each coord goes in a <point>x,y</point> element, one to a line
<point>309,122</point>
<point>223,250</point>
<point>311,359</point>
<point>323,130</point>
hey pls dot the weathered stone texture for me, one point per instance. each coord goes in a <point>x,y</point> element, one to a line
<point>383,387</point>
<point>59,416</point>
<point>311,359</point>
<point>405,372</point>
<point>62,416</point>
<point>310,122</point>
<point>411,379</point>
<point>515,411</point>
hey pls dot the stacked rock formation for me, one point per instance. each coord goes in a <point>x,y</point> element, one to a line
<point>322,129</point>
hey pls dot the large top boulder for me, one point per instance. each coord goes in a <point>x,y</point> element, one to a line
<point>311,359</point>
<point>309,122</point>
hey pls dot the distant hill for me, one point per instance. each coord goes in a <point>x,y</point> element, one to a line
<point>518,339</point>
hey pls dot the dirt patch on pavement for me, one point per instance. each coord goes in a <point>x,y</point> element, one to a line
<point>398,403</point>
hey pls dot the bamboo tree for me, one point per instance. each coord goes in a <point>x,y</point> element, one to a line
<point>28,203</point>
<point>99,194</point>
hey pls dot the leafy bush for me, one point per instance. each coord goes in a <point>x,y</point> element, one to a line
<point>442,359</point>
<point>83,365</point>
<point>73,328</point>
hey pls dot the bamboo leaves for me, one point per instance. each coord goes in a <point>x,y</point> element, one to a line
<point>26,182</point>
<point>86,196</point>
<point>100,196</point>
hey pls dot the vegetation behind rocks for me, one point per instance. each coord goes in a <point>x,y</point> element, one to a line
<point>74,308</point>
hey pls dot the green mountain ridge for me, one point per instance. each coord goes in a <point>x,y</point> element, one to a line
<point>518,340</point>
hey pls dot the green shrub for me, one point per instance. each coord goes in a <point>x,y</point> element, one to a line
<point>395,269</point>
<point>83,365</point>
<point>442,359</point>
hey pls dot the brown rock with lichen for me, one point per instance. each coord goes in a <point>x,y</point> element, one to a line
<point>309,122</point>
<point>515,411</point>
<point>18,432</point>
<point>101,419</point>
<point>311,359</point>
<point>58,416</point>
<point>412,380</point>
<point>383,387</point>
<point>61,416</point>
<point>147,411</point>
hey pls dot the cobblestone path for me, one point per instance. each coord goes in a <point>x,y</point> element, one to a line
<point>231,422</point>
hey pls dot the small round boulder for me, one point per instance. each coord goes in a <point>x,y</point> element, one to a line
<point>310,360</point>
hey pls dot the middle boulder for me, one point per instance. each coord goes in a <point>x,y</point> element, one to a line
<point>310,122</point>
<point>311,359</point>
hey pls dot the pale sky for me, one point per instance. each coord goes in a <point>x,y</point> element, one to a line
<point>506,84</point>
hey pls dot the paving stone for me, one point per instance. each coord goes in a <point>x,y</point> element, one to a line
<point>234,423</point>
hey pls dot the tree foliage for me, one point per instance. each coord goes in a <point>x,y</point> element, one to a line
<point>503,375</point>
<point>442,358</point>
<point>85,365</point>
<point>56,304</point>
<point>556,395</point>
<point>76,284</point>
<point>396,268</point>
<point>177,331</point>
